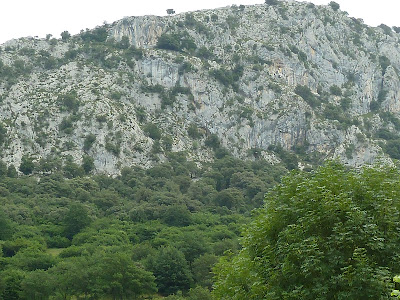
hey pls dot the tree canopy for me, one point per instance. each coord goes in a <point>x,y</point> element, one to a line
<point>331,234</point>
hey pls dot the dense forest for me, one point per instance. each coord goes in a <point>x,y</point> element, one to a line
<point>147,232</point>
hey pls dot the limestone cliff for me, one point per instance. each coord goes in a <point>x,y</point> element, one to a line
<point>293,76</point>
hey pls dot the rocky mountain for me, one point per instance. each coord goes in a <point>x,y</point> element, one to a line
<point>286,81</point>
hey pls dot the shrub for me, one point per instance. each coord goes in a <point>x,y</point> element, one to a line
<point>335,90</point>
<point>152,131</point>
<point>305,93</point>
<point>176,42</point>
<point>27,165</point>
<point>335,6</point>
<point>89,141</point>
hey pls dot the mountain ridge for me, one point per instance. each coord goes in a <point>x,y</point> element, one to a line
<point>291,80</point>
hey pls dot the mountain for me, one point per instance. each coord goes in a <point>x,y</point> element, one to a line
<point>287,81</point>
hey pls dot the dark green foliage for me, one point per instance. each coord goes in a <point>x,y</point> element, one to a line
<point>171,270</point>
<point>390,117</point>
<point>72,169</point>
<point>177,42</point>
<point>90,139</point>
<point>98,35</point>
<point>335,90</point>
<point>392,148</point>
<point>65,35</point>
<point>233,22</point>
<point>345,103</point>
<point>374,106</point>
<point>27,165</point>
<point>331,234</point>
<point>113,148</point>
<point>75,219</point>
<point>384,62</point>
<point>396,29</point>
<point>3,133</point>
<point>87,163</point>
<point>212,141</point>
<point>228,77</point>
<point>185,67</point>
<point>335,6</point>
<point>382,95</point>
<point>5,227</point>
<point>67,124</point>
<point>289,159</point>
<point>193,131</point>
<point>152,131</point>
<point>69,101</point>
<point>386,29</point>
<point>386,134</point>
<point>305,93</point>
<point>272,2</point>
<point>94,225</point>
<point>204,52</point>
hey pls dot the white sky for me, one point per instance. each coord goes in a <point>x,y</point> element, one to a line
<point>19,18</point>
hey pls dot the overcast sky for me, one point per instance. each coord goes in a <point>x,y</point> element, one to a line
<point>19,18</point>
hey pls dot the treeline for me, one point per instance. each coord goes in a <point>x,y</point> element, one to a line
<point>147,233</point>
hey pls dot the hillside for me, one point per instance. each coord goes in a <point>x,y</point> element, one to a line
<point>262,81</point>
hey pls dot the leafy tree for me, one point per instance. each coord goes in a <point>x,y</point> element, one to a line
<point>87,163</point>
<point>36,285</point>
<point>170,11</point>
<point>121,278</point>
<point>65,35</point>
<point>305,93</point>
<point>88,142</point>
<point>152,131</point>
<point>335,6</point>
<point>332,234</point>
<point>75,219</point>
<point>171,270</point>
<point>5,226</point>
<point>27,165</point>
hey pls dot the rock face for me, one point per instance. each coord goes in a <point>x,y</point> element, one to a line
<point>307,78</point>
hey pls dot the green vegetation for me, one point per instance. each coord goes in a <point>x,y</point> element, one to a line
<point>305,93</point>
<point>228,77</point>
<point>159,230</point>
<point>181,42</point>
<point>335,6</point>
<point>331,234</point>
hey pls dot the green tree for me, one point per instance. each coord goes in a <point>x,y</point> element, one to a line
<point>75,219</point>
<point>5,226</point>
<point>335,6</point>
<point>171,270</point>
<point>87,163</point>
<point>65,35</point>
<point>332,234</point>
<point>27,165</point>
<point>121,278</point>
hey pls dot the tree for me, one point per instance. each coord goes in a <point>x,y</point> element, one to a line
<point>87,163</point>
<point>121,278</point>
<point>27,165</point>
<point>335,6</point>
<point>332,234</point>
<point>271,2</point>
<point>65,35</point>
<point>5,226</point>
<point>75,219</point>
<point>171,270</point>
<point>170,11</point>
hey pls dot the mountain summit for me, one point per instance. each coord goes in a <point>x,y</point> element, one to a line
<point>286,81</point>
